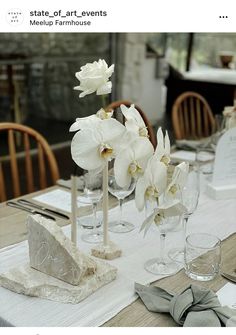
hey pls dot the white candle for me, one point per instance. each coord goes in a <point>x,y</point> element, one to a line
<point>74,209</point>
<point>105,204</point>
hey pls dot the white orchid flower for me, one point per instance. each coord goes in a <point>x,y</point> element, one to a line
<point>103,114</point>
<point>229,111</point>
<point>178,180</point>
<point>134,121</point>
<point>90,148</point>
<point>131,161</point>
<point>176,208</point>
<point>94,77</point>
<point>89,121</point>
<point>152,184</point>
<point>84,123</point>
<point>162,151</point>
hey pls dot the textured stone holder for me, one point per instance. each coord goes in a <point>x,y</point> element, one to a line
<point>58,270</point>
<point>107,250</point>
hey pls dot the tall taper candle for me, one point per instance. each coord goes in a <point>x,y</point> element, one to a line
<point>74,209</point>
<point>105,204</point>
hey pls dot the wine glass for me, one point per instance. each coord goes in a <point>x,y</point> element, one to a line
<point>189,197</point>
<point>86,221</point>
<point>120,226</point>
<point>92,195</point>
<point>218,129</point>
<point>163,265</point>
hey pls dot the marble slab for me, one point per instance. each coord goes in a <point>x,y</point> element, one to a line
<point>28,281</point>
<point>109,251</point>
<point>51,252</point>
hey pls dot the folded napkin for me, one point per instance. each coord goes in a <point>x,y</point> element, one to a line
<point>195,306</point>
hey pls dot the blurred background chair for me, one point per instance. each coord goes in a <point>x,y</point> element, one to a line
<point>192,117</point>
<point>24,167</point>
<point>116,104</point>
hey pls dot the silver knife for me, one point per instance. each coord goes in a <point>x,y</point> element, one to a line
<point>32,211</point>
<point>32,204</point>
<point>229,276</point>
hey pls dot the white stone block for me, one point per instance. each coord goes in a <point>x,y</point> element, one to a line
<point>51,252</point>
<point>26,280</point>
<point>58,270</point>
<point>109,251</point>
<point>221,192</point>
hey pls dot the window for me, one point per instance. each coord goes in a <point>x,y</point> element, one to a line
<point>202,50</point>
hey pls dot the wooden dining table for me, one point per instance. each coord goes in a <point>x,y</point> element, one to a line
<point>13,230</point>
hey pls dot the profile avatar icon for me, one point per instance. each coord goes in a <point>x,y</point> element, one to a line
<point>14,16</point>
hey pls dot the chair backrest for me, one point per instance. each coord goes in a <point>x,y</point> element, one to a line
<point>192,117</point>
<point>40,164</point>
<point>116,104</point>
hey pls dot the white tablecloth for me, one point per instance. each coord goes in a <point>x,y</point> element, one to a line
<point>218,217</point>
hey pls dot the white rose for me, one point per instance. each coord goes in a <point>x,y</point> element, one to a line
<point>94,77</point>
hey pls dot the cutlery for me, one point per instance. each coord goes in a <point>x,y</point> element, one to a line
<point>32,211</point>
<point>229,276</point>
<point>31,204</point>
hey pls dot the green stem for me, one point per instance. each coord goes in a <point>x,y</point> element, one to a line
<point>104,104</point>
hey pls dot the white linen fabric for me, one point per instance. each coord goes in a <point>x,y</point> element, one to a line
<point>211,216</point>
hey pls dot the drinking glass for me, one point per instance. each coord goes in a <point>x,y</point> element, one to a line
<point>120,226</point>
<point>202,256</point>
<point>92,195</point>
<point>205,157</point>
<point>162,265</point>
<point>86,221</point>
<point>189,197</point>
<point>218,129</point>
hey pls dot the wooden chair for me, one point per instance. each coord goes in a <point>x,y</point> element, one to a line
<point>34,149</point>
<point>116,104</point>
<point>192,117</point>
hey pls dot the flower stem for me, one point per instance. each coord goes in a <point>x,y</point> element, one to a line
<point>185,221</point>
<point>162,247</point>
<point>104,104</point>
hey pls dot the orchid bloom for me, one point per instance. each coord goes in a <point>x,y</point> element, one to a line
<point>94,77</point>
<point>162,151</point>
<point>163,211</point>
<point>152,184</point>
<point>178,180</point>
<point>229,111</point>
<point>131,161</point>
<point>103,114</point>
<point>134,122</point>
<point>91,148</point>
<point>89,121</point>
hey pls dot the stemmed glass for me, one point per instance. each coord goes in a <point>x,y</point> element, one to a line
<point>189,197</point>
<point>218,129</point>
<point>120,226</point>
<point>93,194</point>
<point>162,265</point>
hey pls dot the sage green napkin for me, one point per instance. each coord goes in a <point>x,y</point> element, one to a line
<point>195,306</point>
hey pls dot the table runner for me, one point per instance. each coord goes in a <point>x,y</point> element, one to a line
<point>212,216</point>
